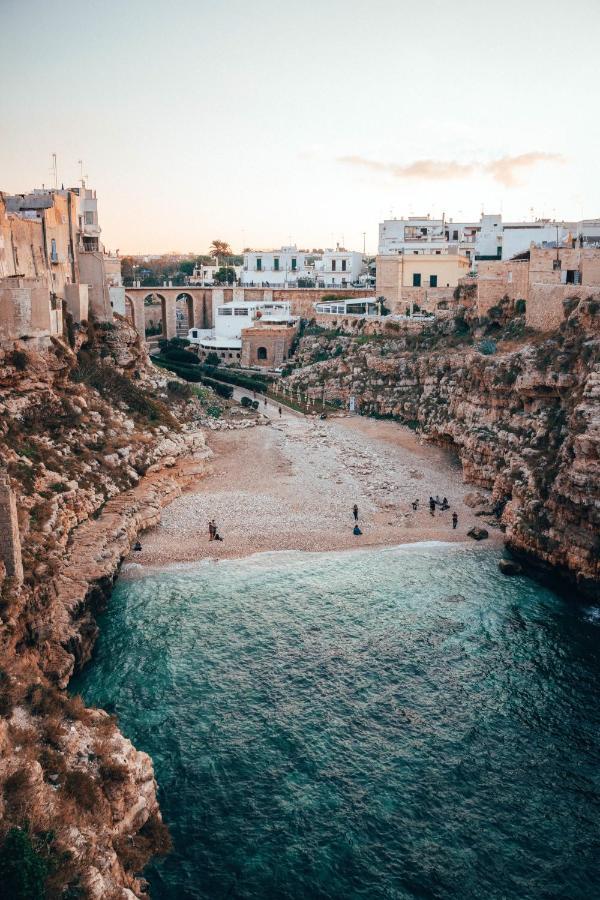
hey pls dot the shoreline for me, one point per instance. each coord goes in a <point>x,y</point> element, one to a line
<point>130,569</point>
<point>292,486</point>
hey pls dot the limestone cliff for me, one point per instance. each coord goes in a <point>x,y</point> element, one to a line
<point>91,439</point>
<point>522,412</point>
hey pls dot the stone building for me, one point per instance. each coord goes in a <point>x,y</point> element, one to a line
<point>268,344</point>
<point>544,277</point>
<point>423,278</point>
<point>51,260</point>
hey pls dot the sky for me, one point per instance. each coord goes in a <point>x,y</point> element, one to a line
<point>266,123</point>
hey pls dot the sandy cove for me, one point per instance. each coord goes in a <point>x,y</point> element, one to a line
<point>291,483</point>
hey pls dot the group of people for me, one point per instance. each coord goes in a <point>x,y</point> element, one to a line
<point>443,505</point>
<point>213,532</point>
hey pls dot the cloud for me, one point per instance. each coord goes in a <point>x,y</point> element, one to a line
<point>505,170</point>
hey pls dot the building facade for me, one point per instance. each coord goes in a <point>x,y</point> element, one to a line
<point>234,323</point>
<point>425,279</point>
<point>339,268</point>
<point>51,261</point>
<point>275,267</point>
<point>488,238</point>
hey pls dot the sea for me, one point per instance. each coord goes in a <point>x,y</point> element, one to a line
<point>382,724</point>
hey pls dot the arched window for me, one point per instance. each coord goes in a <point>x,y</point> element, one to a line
<point>261,353</point>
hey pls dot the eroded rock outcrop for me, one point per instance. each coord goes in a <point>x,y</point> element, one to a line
<point>524,419</point>
<point>92,445</point>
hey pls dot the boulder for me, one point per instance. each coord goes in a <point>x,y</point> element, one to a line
<point>510,567</point>
<point>475,498</point>
<point>478,534</point>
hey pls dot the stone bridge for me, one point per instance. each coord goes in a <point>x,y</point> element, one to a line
<point>200,303</point>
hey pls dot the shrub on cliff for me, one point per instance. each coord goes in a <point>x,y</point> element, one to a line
<point>487,347</point>
<point>179,390</point>
<point>82,788</point>
<point>24,866</point>
<point>114,385</point>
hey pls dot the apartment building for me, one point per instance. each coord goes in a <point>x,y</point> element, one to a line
<point>279,268</point>
<point>51,260</point>
<point>486,239</point>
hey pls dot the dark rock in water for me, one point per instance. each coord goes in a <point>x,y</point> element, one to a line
<point>454,598</point>
<point>478,534</point>
<point>510,567</point>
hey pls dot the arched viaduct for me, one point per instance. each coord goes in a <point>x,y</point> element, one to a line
<point>201,302</point>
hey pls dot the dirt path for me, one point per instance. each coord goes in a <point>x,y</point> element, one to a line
<point>291,485</point>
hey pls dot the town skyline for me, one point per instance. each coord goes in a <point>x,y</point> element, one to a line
<point>331,134</point>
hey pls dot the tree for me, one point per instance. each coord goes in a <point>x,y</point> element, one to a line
<point>212,358</point>
<point>224,275</point>
<point>23,870</point>
<point>220,248</point>
<point>187,266</point>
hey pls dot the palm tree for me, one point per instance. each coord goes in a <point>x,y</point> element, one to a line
<point>220,248</point>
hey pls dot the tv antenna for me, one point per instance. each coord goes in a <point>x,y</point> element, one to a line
<point>54,172</point>
<point>83,178</point>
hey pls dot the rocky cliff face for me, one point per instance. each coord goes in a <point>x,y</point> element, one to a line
<point>91,453</point>
<point>523,418</point>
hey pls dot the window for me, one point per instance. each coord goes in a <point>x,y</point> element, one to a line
<point>455,235</point>
<point>416,279</point>
<point>573,276</point>
<point>261,353</point>
<point>556,264</point>
<point>53,253</point>
<point>258,264</point>
<point>333,263</point>
<point>433,281</point>
<point>344,263</point>
<point>89,217</point>
<point>194,334</point>
<point>276,263</point>
<point>294,261</point>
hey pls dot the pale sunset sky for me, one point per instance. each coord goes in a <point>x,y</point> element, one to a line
<point>265,122</point>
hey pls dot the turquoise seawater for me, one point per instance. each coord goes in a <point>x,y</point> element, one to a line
<point>396,723</point>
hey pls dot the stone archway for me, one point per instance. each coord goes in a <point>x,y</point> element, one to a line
<point>261,353</point>
<point>184,311</point>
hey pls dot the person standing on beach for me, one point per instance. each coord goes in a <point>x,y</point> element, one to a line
<point>454,520</point>
<point>279,412</point>
<point>432,506</point>
<point>211,530</point>
<point>355,512</point>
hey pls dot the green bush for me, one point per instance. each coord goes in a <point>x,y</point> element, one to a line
<point>23,867</point>
<point>20,360</point>
<point>487,347</point>
<point>255,383</point>
<point>212,358</point>
<point>179,390</point>
<point>176,355</point>
<point>520,307</point>
<point>246,401</point>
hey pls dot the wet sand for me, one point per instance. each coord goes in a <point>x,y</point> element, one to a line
<point>291,485</point>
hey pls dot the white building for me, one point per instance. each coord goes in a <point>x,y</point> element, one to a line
<point>489,238</point>
<point>280,267</point>
<point>225,338</point>
<point>339,267</point>
<point>354,306</point>
<point>204,275</point>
